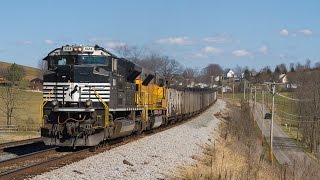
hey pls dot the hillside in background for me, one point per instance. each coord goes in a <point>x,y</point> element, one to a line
<point>31,72</point>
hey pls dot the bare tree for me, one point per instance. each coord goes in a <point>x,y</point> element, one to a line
<point>170,68</point>
<point>238,70</point>
<point>213,70</point>
<point>282,68</point>
<point>292,67</point>
<point>308,64</point>
<point>299,67</point>
<point>189,73</point>
<point>9,97</point>
<point>309,109</point>
<point>42,65</point>
<point>317,65</point>
<point>133,53</point>
<point>152,61</point>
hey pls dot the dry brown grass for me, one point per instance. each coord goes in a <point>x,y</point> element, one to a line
<point>17,136</point>
<point>27,114</point>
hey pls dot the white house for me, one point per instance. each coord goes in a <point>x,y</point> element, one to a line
<point>283,78</point>
<point>228,73</point>
<point>217,78</point>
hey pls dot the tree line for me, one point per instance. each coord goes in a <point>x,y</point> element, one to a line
<point>172,70</point>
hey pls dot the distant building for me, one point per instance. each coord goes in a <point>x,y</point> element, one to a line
<point>228,73</point>
<point>218,78</point>
<point>36,84</point>
<point>226,89</point>
<point>283,78</point>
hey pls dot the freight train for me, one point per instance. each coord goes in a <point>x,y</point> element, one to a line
<point>90,95</point>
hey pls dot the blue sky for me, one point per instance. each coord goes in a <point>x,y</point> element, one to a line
<point>249,33</point>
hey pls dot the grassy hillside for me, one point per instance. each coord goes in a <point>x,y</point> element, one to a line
<point>26,115</point>
<point>31,72</point>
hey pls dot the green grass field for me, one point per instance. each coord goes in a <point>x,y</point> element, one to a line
<point>27,115</point>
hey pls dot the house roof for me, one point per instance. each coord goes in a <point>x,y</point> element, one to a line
<point>227,70</point>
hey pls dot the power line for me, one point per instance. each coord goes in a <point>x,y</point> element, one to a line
<point>298,120</point>
<point>293,114</point>
<point>293,99</point>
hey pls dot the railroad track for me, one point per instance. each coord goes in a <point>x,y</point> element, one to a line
<point>8,165</point>
<point>24,166</point>
<point>4,146</point>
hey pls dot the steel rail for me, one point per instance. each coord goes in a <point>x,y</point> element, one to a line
<point>19,143</point>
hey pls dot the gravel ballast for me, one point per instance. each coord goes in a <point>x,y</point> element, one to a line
<point>152,157</point>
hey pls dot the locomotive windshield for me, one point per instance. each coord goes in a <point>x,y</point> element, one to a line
<point>62,60</point>
<point>78,60</point>
<point>94,60</point>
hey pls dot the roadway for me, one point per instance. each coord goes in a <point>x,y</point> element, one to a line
<point>285,149</point>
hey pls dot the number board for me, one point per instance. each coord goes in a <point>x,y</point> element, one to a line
<point>67,48</point>
<point>88,49</point>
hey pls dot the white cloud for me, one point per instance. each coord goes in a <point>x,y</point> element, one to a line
<point>175,41</point>
<point>27,42</point>
<point>48,41</point>
<point>212,50</point>
<point>2,49</point>
<point>107,43</point>
<point>208,51</point>
<point>263,49</point>
<point>217,40</point>
<point>284,32</point>
<point>114,44</point>
<point>200,55</point>
<point>306,31</point>
<point>241,53</point>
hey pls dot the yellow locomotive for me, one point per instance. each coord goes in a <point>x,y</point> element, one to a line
<point>151,96</point>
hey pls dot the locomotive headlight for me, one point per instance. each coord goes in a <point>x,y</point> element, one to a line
<point>55,103</point>
<point>88,103</point>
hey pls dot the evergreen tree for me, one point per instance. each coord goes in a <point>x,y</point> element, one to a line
<point>15,73</point>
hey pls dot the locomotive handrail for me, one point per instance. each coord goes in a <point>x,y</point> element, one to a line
<point>43,104</point>
<point>48,97</point>
<point>106,108</point>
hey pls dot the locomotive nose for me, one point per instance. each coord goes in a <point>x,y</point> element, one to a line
<point>64,73</point>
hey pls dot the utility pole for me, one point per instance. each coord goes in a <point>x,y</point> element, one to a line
<point>272,118</point>
<point>250,97</point>
<point>255,96</point>
<point>244,90</point>
<point>222,88</point>
<point>262,103</point>
<point>262,128</point>
<point>233,87</point>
